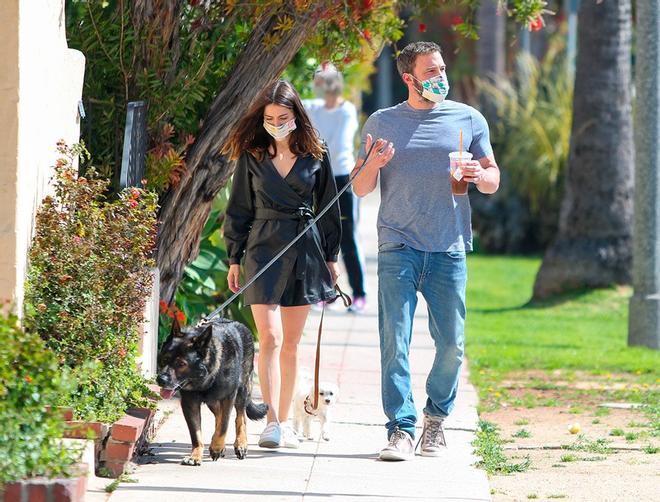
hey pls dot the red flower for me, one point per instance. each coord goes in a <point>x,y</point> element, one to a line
<point>536,24</point>
<point>367,35</point>
<point>347,60</point>
<point>60,163</point>
<point>422,27</point>
<point>122,352</point>
<point>135,193</point>
<point>162,306</point>
<point>170,314</point>
<point>133,203</point>
<point>28,379</point>
<point>181,317</point>
<point>456,20</point>
<point>367,5</point>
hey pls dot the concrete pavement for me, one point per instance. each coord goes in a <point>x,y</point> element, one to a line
<point>346,467</point>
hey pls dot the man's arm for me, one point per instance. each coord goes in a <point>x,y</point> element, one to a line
<point>484,173</point>
<point>381,154</point>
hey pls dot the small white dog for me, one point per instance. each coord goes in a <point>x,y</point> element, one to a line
<point>302,420</point>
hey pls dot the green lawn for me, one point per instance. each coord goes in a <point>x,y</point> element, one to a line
<point>582,331</point>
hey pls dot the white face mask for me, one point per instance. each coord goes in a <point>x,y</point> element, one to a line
<point>281,132</point>
<point>434,89</point>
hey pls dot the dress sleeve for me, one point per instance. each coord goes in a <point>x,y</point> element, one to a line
<point>330,224</point>
<point>240,211</point>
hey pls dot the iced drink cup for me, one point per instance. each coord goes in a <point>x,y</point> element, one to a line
<point>458,185</point>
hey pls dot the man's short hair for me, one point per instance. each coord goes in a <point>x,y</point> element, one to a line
<point>405,62</point>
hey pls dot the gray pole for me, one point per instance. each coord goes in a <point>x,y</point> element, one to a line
<point>491,46</point>
<point>384,78</point>
<point>571,10</point>
<point>644,311</point>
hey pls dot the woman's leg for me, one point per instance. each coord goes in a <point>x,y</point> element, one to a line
<point>269,326</point>
<point>293,322</point>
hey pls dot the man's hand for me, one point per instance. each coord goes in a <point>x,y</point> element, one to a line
<point>472,171</point>
<point>382,152</point>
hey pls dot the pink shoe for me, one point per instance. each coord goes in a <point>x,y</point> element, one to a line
<point>358,305</point>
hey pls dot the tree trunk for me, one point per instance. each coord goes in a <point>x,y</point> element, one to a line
<point>491,53</point>
<point>593,247</point>
<point>185,209</point>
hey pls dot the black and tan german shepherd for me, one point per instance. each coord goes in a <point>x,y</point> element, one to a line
<point>211,364</point>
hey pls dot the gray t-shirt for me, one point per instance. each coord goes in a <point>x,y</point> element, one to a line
<point>417,207</point>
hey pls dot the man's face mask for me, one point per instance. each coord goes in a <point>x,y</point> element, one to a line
<point>434,89</point>
<point>280,132</point>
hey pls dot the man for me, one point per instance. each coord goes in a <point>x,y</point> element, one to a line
<point>336,120</point>
<point>424,233</point>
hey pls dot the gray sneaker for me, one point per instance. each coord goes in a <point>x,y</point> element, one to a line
<point>400,447</point>
<point>433,437</point>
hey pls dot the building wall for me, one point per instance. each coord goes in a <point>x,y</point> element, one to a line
<point>40,87</point>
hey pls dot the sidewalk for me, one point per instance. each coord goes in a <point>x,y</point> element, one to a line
<point>346,467</point>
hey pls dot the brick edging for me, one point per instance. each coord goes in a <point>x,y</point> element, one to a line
<point>52,490</point>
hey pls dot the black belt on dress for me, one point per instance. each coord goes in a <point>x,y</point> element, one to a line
<point>306,244</point>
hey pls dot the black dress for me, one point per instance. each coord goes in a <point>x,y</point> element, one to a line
<point>266,211</point>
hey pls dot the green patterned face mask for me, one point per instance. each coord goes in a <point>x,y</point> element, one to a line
<point>434,89</point>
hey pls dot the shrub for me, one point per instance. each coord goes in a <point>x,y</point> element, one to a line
<point>530,133</point>
<point>30,382</point>
<point>88,281</point>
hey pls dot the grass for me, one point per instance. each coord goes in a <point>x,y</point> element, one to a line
<point>582,443</point>
<point>522,433</point>
<point>522,421</point>
<point>584,331</point>
<point>568,457</point>
<point>488,445</point>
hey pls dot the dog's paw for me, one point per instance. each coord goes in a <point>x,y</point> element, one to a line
<point>216,454</point>
<point>191,461</point>
<point>241,451</point>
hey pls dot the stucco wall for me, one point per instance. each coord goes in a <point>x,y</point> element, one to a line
<point>44,79</point>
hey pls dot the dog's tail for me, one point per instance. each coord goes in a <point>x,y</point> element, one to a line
<point>256,411</point>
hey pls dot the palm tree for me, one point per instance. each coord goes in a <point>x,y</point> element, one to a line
<point>593,247</point>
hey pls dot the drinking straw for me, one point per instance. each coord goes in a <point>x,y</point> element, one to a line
<point>460,144</point>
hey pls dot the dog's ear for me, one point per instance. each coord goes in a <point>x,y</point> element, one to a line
<point>176,328</point>
<point>202,339</point>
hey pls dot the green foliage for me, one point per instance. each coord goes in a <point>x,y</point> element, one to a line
<point>88,280</point>
<point>532,131</point>
<point>582,443</point>
<point>488,445</point>
<point>30,382</point>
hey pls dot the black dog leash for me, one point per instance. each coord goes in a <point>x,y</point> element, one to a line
<point>206,319</point>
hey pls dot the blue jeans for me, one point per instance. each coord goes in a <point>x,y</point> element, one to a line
<point>440,277</point>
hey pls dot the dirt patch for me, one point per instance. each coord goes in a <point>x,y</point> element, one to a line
<point>608,456</point>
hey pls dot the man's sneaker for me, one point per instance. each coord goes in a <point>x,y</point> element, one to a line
<point>358,305</point>
<point>433,437</point>
<point>400,447</point>
<point>289,438</point>
<point>271,436</point>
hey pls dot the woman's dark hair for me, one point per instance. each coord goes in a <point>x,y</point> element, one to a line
<point>249,134</point>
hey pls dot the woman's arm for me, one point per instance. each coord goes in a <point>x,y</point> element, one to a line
<point>240,212</point>
<point>330,223</point>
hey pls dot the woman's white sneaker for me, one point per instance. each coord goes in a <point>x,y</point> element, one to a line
<point>289,438</point>
<point>271,436</point>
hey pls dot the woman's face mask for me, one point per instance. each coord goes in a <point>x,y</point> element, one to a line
<point>434,89</point>
<point>282,131</point>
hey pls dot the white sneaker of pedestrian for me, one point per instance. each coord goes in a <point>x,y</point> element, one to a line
<point>289,438</point>
<point>271,436</point>
<point>433,437</point>
<point>400,447</point>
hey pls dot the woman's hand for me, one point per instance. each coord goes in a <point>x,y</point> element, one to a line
<point>233,277</point>
<point>334,271</point>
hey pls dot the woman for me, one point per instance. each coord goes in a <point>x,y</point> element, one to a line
<point>283,178</point>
